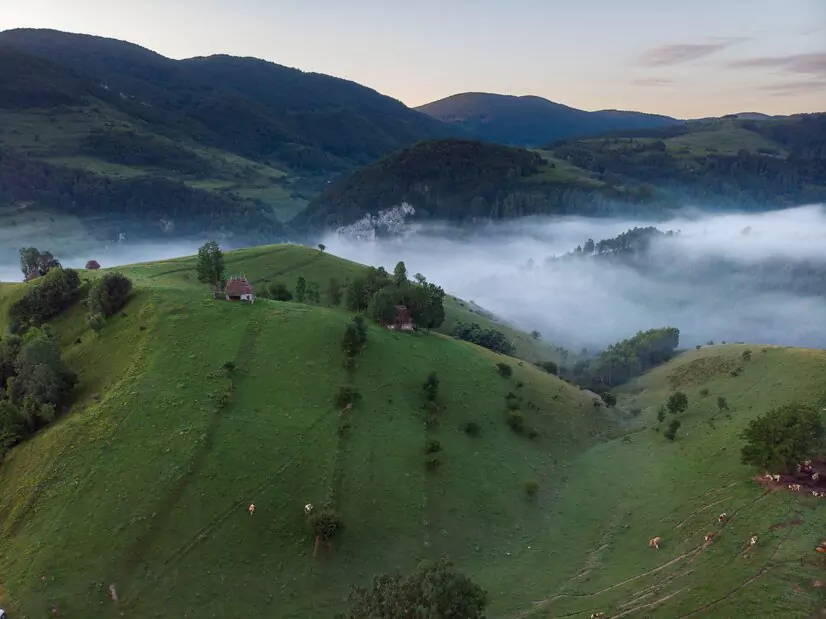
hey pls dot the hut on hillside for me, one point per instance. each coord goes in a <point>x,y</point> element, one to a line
<point>402,321</point>
<point>239,289</point>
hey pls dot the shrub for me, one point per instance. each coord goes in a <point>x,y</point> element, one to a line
<point>635,412</point>
<point>432,463</point>
<point>279,292</point>
<point>698,347</point>
<point>431,387</point>
<point>355,336</point>
<point>46,297</point>
<point>472,428</point>
<point>347,395</point>
<point>531,488</point>
<point>516,421</point>
<point>722,403</point>
<point>549,366</point>
<point>109,294</point>
<point>95,321</point>
<point>661,414</point>
<point>229,366</point>
<point>677,402</point>
<point>609,399</point>
<point>512,401</point>
<point>784,436</point>
<point>703,393</point>
<point>433,590</point>
<point>326,524</point>
<point>671,433</point>
<point>532,433</point>
<point>746,355</point>
<point>504,369</point>
<point>432,446</point>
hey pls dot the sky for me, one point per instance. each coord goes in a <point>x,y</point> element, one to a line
<point>685,59</point>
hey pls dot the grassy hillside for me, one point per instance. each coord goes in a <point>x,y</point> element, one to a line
<point>283,264</point>
<point>232,134</point>
<point>753,164</point>
<point>530,120</point>
<point>145,483</point>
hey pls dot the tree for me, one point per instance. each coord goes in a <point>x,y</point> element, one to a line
<point>589,246</point>
<point>109,294</point>
<point>661,414</point>
<point>426,304</point>
<point>35,263</point>
<point>671,433</point>
<point>722,402</point>
<point>279,292</point>
<point>536,335</point>
<point>334,292</point>
<point>781,438</point>
<point>321,247</point>
<point>313,295</point>
<point>355,336</point>
<point>210,266</point>
<point>300,289</point>
<point>382,307</point>
<point>433,591</point>
<point>431,387</point>
<point>400,274</point>
<point>47,297</point>
<point>677,402</point>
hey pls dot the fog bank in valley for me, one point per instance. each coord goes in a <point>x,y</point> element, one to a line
<point>594,302</point>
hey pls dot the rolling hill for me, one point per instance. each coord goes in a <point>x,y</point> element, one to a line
<point>531,120</point>
<point>218,144</point>
<point>743,164</point>
<point>145,483</point>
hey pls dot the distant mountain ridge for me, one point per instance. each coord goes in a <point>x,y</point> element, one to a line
<point>530,120</point>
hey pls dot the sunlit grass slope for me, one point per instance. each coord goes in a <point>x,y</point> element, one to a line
<point>620,494</point>
<point>145,483</point>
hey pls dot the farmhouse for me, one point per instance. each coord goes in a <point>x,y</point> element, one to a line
<point>239,289</point>
<point>403,320</point>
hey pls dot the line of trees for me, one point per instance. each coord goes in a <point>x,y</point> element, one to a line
<point>487,338</point>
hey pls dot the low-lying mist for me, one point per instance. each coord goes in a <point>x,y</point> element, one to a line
<point>708,280</point>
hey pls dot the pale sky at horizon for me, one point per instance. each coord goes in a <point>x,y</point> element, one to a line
<point>685,59</point>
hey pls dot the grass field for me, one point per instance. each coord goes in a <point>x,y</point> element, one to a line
<point>145,483</point>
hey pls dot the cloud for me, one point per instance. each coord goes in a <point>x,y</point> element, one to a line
<point>593,303</point>
<point>668,55</point>
<point>783,89</point>
<point>814,64</point>
<point>653,81</point>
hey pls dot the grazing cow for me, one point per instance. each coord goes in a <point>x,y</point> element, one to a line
<point>308,508</point>
<point>775,478</point>
<point>709,536</point>
<point>753,540</point>
<point>654,542</point>
<point>815,477</point>
<point>251,509</point>
<point>722,517</point>
<point>794,487</point>
<point>113,592</point>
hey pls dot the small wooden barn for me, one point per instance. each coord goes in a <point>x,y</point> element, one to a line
<point>403,320</point>
<point>239,289</point>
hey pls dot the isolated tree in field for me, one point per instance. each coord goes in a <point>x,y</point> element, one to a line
<point>109,294</point>
<point>677,402</point>
<point>321,247</point>
<point>326,525</point>
<point>300,289</point>
<point>536,335</point>
<point>433,591</point>
<point>210,264</point>
<point>400,274</point>
<point>671,433</point>
<point>722,403</point>
<point>35,263</point>
<point>431,386</point>
<point>780,439</point>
